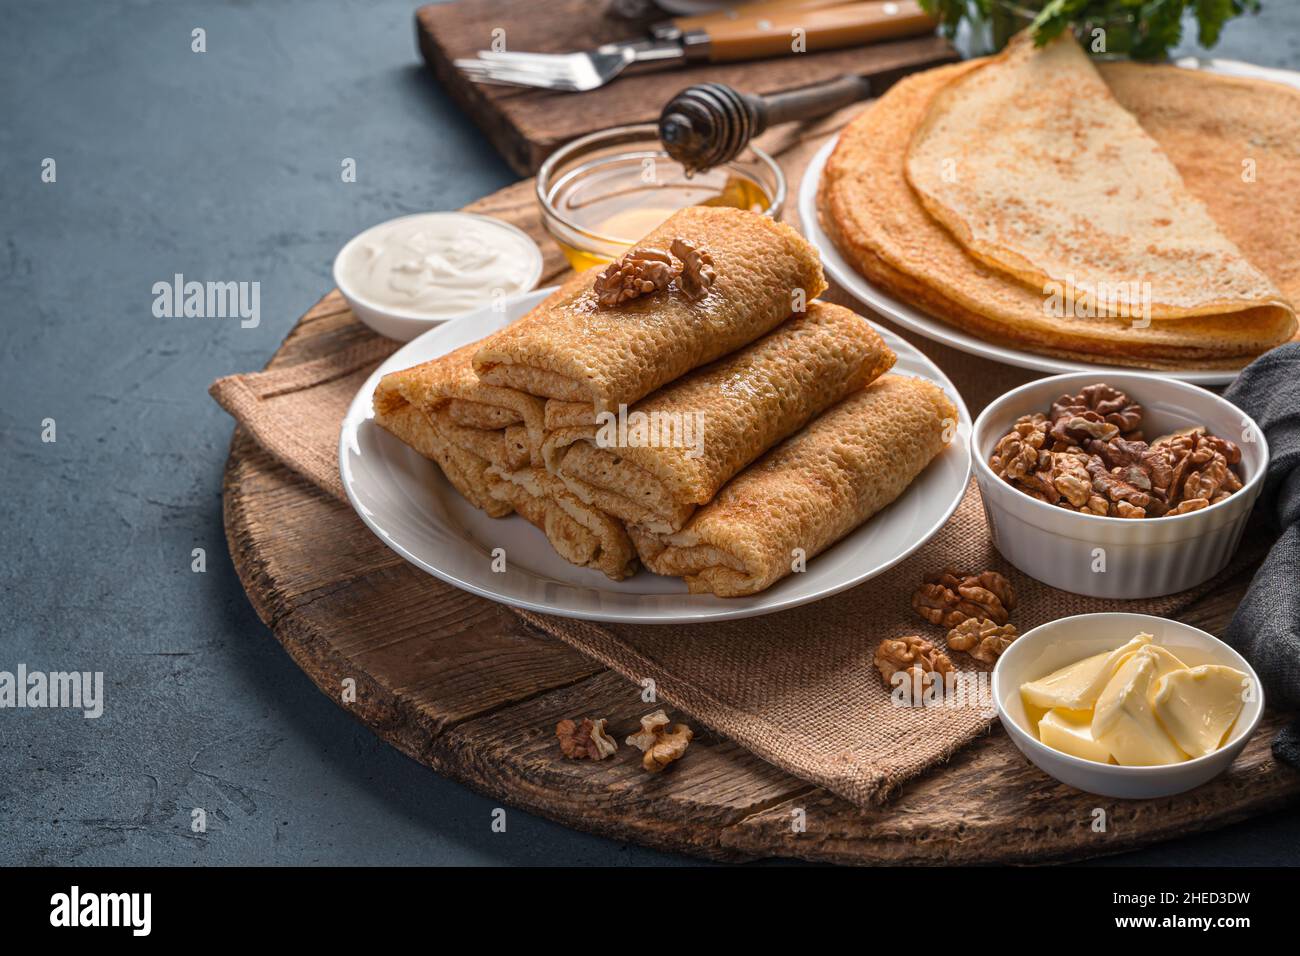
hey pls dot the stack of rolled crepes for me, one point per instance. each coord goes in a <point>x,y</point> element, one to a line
<point>722,429</point>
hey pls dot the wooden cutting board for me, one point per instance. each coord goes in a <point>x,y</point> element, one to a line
<point>526,125</point>
<point>463,686</point>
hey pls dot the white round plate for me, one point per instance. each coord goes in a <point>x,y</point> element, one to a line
<point>405,500</point>
<point>922,323</point>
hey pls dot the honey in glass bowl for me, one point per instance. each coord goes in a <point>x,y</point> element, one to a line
<point>600,194</point>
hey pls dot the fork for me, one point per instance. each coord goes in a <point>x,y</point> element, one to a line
<point>571,72</point>
<point>743,38</point>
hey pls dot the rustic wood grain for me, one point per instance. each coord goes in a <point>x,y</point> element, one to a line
<point>461,685</point>
<point>527,125</point>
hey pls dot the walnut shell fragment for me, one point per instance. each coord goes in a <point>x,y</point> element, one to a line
<point>659,744</point>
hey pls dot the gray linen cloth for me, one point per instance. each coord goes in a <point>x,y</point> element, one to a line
<point>1266,625</point>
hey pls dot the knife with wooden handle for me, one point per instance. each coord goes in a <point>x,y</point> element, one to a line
<point>810,30</point>
<point>674,29</point>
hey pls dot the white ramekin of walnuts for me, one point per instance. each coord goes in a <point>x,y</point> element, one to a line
<point>1117,484</point>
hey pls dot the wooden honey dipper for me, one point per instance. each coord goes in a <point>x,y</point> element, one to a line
<point>711,123</point>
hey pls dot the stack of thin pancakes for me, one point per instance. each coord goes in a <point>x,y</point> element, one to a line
<point>724,439</point>
<point>1141,216</point>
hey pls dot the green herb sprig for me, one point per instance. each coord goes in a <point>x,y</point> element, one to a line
<point>1158,24</point>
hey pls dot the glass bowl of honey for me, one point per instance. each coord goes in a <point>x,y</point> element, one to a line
<point>601,193</point>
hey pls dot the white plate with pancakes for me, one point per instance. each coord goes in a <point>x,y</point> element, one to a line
<point>843,273</point>
<point>405,500</point>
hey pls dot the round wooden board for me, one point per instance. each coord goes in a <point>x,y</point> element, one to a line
<point>463,686</point>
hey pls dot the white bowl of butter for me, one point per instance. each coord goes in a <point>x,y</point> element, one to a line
<point>1127,705</point>
<point>408,275</point>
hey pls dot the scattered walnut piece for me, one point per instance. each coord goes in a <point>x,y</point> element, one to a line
<point>914,655</point>
<point>668,748</point>
<point>982,639</point>
<point>652,725</point>
<point>659,744</point>
<point>697,269</point>
<point>639,272</point>
<point>585,739</point>
<point>950,597</point>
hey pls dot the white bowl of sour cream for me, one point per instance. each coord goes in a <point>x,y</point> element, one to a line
<point>407,275</point>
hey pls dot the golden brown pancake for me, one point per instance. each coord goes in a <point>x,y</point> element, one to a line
<point>870,212</point>
<point>441,409</point>
<point>580,534</point>
<point>699,431</point>
<point>1039,171</point>
<point>572,348</point>
<point>809,491</point>
<point>1236,143</point>
<point>467,471</point>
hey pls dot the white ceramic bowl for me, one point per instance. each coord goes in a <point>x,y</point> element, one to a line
<point>1052,646</point>
<point>1143,557</point>
<point>405,326</point>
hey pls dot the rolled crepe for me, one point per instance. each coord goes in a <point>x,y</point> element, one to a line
<point>467,472</point>
<point>809,491</point>
<point>581,534</point>
<point>573,349</point>
<point>672,451</point>
<point>441,409</point>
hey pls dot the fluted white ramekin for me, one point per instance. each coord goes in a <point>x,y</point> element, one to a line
<point>1119,557</point>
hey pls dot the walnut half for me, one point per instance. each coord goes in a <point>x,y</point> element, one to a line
<point>585,739</point>
<point>981,638</point>
<point>950,597</point>
<point>659,744</point>
<point>697,269</point>
<point>913,654</point>
<point>639,272</point>
<point>1108,404</point>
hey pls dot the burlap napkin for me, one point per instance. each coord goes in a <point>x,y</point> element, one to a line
<point>797,688</point>
<point>295,411</point>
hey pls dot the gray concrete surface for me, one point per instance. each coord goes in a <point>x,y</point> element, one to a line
<point>225,165</point>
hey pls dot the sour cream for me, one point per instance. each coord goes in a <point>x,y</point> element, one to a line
<point>437,265</point>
